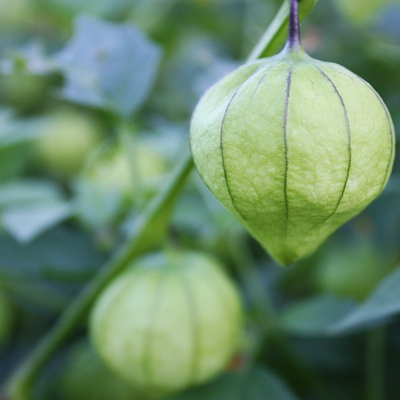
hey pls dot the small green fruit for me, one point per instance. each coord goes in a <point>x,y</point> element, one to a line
<point>85,377</point>
<point>66,142</point>
<point>169,322</point>
<point>293,147</point>
<point>112,169</point>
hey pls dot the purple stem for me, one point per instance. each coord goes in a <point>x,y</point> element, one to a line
<point>293,42</point>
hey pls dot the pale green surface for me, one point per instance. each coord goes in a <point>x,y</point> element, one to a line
<point>168,323</point>
<point>5,319</point>
<point>333,117</point>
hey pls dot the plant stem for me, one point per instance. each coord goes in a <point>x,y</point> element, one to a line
<point>276,34</point>
<point>153,222</point>
<point>293,42</point>
<point>375,364</point>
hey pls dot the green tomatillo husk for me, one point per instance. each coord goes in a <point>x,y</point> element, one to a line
<point>169,322</point>
<point>293,147</point>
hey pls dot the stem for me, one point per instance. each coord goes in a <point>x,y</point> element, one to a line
<point>276,34</point>
<point>375,364</point>
<point>293,42</point>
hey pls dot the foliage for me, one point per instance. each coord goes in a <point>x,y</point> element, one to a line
<point>130,73</point>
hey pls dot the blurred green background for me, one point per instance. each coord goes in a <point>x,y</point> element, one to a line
<point>69,193</point>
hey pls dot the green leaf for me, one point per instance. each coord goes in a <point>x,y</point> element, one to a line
<point>17,131</point>
<point>39,295</point>
<point>24,191</point>
<point>46,273</point>
<point>109,66</point>
<point>257,384</point>
<point>103,8</point>
<point>30,207</point>
<point>29,59</point>
<point>315,316</point>
<point>58,255</point>
<point>28,221</point>
<point>383,303</point>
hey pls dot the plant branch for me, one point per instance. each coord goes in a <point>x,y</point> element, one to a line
<point>294,28</point>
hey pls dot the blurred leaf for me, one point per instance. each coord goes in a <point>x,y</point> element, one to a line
<point>103,8</point>
<point>258,384</point>
<point>12,161</point>
<point>150,14</point>
<point>28,221</point>
<point>39,295</point>
<point>339,355</point>
<point>28,191</point>
<point>109,66</point>
<point>60,255</point>
<point>315,316</point>
<point>45,274</point>
<point>15,131</point>
<point>29,59</point>
<point>384,302</point>
<point>30,207</point>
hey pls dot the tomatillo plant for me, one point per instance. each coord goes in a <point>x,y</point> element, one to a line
<point>292,146</point>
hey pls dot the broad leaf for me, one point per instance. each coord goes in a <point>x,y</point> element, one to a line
<point>60,255</point>
<point>110,66</point>
<point>29,59</point>
<point>28,191</point>
<point>315,316</point>
<point>28,221</point>
<point>46,273</point>
<point>38,295</point>
<point>257,384</point>
<point>383,303</point>
<point>103,8</point>
<point>15,131</point>
<point>30,207</point>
